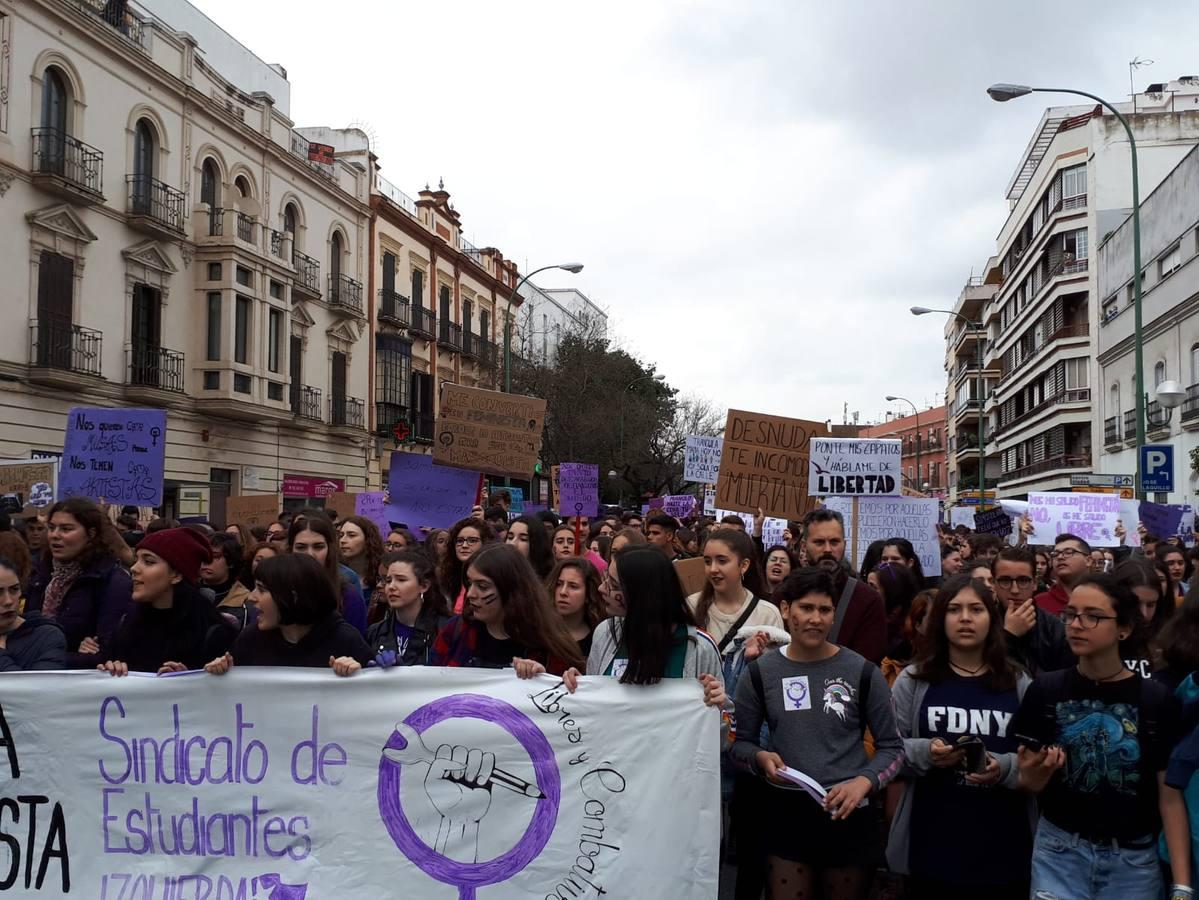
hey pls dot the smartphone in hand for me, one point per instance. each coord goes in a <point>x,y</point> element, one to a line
<point>976,754</point>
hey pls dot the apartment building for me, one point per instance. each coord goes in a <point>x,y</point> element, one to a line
<point>925,461</point>
<point>173,241</point>
<point>1071,187</point>
<point>1170,313</point>
<point>549,314</point>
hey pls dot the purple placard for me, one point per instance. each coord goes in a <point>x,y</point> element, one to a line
<point>373,505</point>
<point>1163,520</point>
<point>115,455</point>
<point>578,489</point>
<point>656,503</point>
<point>532,509</point>
<point>424,494</point>
<point>678,505</point>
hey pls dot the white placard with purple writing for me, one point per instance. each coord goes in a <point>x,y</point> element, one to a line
<point>1092,517</point>
<point>701,459</point>
<point>294,784</point>
<point>578,489</point>
<point>880,518</point>
<point>678,505</point>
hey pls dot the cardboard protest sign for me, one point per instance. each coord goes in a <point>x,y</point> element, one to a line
<point>249,784</point>
<point>116,455</point>
<point>342,503</point>
<point>578,489</point>
<point>764,464</point>
<point>993,521</point>
<point>692,574</point>
<point>252,509</point>
<point>488,431</point>
<point>879,518</point>
<point>27,484</point>
<point>701,459</point>
<point>1167,520</point>
<point>1091,517</point>
<point>844,467</point>
<point>426,495</point>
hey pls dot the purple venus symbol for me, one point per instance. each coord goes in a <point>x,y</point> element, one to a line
<point>467,877</point>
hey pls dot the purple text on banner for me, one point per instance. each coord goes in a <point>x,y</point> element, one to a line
<point>424,494</point>
<point>578,489</point>
<point>1163,520</point>
<point>115,455</point>
<point>678,505</point>
<point>371,505</point>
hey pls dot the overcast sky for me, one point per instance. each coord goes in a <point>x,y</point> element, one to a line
<point>759,190</point>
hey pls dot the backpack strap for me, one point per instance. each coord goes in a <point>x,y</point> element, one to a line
<point>865,677</point>
<point>741,620</point>
<point>755,678</point>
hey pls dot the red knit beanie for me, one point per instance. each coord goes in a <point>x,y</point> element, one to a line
<point>183,549</point>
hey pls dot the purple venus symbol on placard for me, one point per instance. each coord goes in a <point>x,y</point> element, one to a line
<point>467,877</point>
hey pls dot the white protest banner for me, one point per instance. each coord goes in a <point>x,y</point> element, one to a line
<point>880,518</point>
<point>747,518</point>
<point>844,467</point>
<point>286,784</point>
<point>1130,515</point>
<point>701,459</point>
<point>709,501</point>
<point>962,515</point>
<point>772,532</point>
<point>1092,517</point>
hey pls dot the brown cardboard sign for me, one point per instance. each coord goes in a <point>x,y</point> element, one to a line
<point>692,574</point>
<point>18,478</point>
<point>252,509</point>
<point>489,431</point>
<point>764,464</point>
<point>342,503</point>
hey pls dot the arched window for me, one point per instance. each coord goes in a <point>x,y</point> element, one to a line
<point>1159,373</point>
<point>54,100</point>
<point>143,167</point>
<point>335,255</point>
<point>210,184</point>
<point>243,186</point>
<point>1194,363</point>
<point>1114,409</point>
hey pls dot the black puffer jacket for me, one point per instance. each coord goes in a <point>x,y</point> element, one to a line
<point>1043,648</point>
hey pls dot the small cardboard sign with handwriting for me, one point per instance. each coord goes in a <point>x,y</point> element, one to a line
<point>252,509</point>
<point>489,431</point>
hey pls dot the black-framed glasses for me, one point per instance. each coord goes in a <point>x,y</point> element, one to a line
<point>1086,619</point>
<point>1007,582</point>
<point>467,541</point>
<point>1065,553</point>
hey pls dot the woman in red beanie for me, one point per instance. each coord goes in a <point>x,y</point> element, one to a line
<point>173,627</point>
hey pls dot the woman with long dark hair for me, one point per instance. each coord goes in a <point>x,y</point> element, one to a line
<point>416,610</point>
<point>507,619</point>
<point>360,546</point>
<point>314,536</point>
<point>574,587</point>
<point>952,705</point>
<point>528,535</point>
<point>564,545</point>
<point>1150,581</point>
<point>172,627</point>
<point>298,624</point>
<point>437,545</point>
<point>733,596</point>
<point>79,583</point>
<point>780,562</point>
<point>26,643</point>
<point>900,550</point>
<point>898,585</point>
<point>466,538</point>
<point>222,574</point>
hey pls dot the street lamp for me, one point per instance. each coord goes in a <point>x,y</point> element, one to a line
<point>573,268</point>
<point>979,328</point>
<point>916,412</point>
<point>1004,92</point>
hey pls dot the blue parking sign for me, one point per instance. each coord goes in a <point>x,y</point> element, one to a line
<point>1157,468</point>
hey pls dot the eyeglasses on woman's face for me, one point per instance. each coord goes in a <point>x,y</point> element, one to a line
<point>1085,619</point>
<point>464,541</point>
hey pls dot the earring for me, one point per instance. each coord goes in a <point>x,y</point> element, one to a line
<point>422,598</point>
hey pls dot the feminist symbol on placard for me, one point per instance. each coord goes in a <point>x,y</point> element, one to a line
<point>405,749</point>
<point>155,434</point>
<point>41,495</point>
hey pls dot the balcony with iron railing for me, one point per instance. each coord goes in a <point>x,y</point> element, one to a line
<point>449,336</point>
<point>388,416</point>
<point>1064,461</point>
<point>308,273</point>
<point>277,247</point>
<point>423,321</point>
<point>306,402</point>
<point>394,309</point>
<point>117,16</point>
<point>65,346</point>
<point>66,166</point>
<point>345,294</point>
<point>1157,417</point>
<point>1074,395</point>
<point>1130,425</point>
<point>155,206</point>
<point>156,367</point>
<point>470,344</point>
<point>488,353</point>
<point>1065,333</point>
<point>1190,406</point>
<point>347,412</point>
<point>1111,431</point>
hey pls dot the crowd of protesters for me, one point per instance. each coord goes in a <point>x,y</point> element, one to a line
<point>1023,725</point>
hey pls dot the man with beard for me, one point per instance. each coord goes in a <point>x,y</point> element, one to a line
<point>860,622</point>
